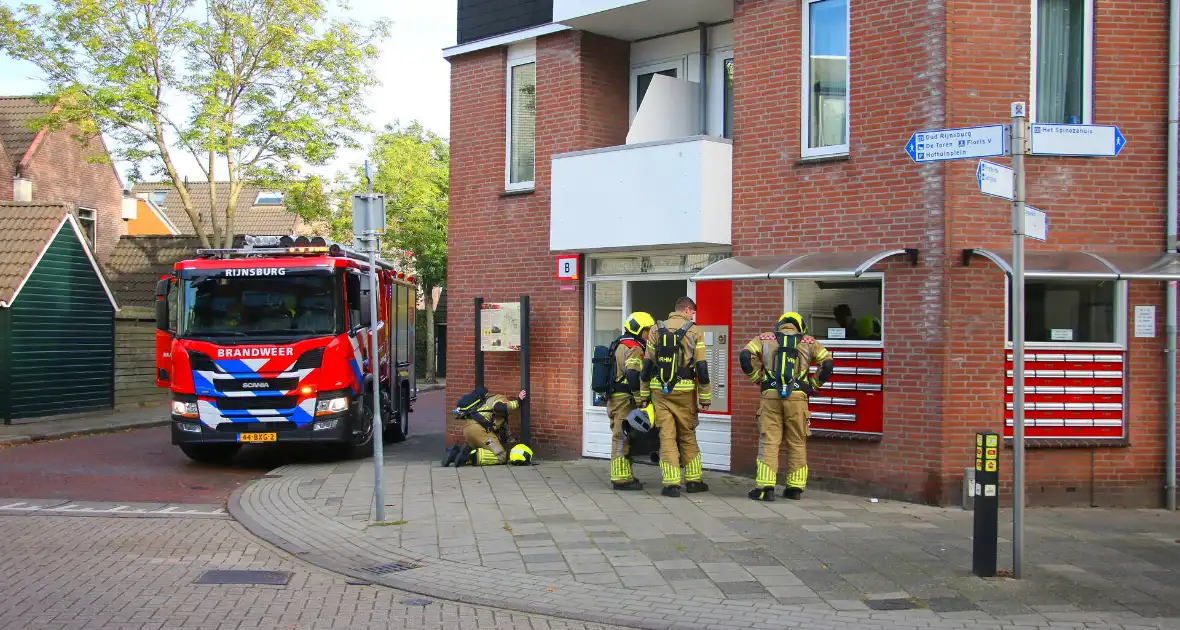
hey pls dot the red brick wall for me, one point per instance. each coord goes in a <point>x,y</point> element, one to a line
<point>873,200</point>
<point>1093,203</point>
<point>60,172</point>
<point>499,245</point>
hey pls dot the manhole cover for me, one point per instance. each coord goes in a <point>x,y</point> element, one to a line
<point>890,604</point>
<point>392,567</point>
<point>233,576</point>
<point>418,602</point>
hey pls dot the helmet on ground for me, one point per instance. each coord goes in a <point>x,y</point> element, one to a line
<point>638,321</point>
<point>793,318</point>
<point>520,455</point>
<point>868,327</point>
<point>642,420</point>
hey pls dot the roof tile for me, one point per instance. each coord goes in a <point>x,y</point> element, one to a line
<point>15,114</point>
<point>25,229</point>
<point>250,219</point>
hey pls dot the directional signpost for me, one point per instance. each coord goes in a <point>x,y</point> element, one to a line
<point>1076,140</point>
<point>1017,139</point>
<point>936,145</point>
<point>994,179</point>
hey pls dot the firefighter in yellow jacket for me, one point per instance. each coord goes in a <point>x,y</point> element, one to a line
<point>677,377</point>
<point>486,417</point>
<point>625,397</point>
<point>780,362</point>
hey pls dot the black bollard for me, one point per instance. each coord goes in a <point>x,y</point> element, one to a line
<point>987,504</point>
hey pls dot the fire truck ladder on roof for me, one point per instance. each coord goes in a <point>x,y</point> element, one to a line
<point>262,246</point>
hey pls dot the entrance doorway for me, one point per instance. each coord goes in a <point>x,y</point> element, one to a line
<point>656,297</point>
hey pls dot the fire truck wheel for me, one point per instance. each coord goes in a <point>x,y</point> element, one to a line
<point>399,428</point>
<point>210,453</point>
<point>360,443</point>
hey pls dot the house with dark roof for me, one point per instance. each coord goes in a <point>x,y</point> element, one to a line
<point>57,316</point>
<point>139,261</point>
<point>55,167</point>
<point>260,212</point>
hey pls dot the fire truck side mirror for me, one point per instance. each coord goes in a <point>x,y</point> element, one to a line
<point>162,287</point>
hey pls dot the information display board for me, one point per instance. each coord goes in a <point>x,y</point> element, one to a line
<point>717,356</point>
<point>500,327</point>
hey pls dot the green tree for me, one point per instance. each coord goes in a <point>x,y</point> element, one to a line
<point>268,84</point>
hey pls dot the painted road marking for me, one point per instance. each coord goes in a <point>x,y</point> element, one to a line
<point>115,509</point>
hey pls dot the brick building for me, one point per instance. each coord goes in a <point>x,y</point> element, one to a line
<point>779,181</point>
<point>52,167</point>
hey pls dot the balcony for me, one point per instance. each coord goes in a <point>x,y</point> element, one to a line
<point>656,194</point>
<point>669,186</point>
<point>630,20</point>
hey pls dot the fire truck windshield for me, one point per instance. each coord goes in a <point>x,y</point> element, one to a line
<point>230,303</point>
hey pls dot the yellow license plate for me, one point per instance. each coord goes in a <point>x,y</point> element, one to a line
<point>258,437</point>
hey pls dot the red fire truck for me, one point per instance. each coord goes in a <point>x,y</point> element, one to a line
<point>270,343</point>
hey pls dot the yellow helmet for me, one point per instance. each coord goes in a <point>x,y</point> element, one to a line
<point>793,318</point>
<point>638,321</point>
<point>868,327</point>
<point>642,420</point>
<point>520,455</point>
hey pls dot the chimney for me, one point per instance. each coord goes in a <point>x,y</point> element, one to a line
<point>130,207</point>
<point>22,189</point>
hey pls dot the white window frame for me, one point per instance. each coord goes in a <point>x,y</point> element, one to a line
<point>519,54</point>
<point>1120,319</point>
<point>1087,63</point>
<point>805,94</point>
<point>679,64</point>
<point>152,196</point>
<point>89,215</point>
<point>789,306</point>
<point>717,58</point>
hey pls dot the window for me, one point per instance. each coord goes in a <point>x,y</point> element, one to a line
<point>158,196</point>
<point>643,81</point>
<point>522,117</point>
<point>1070,311</point>
<point>825,78</point>
<point>269,198</point>
<point>1063,59</point>
<point>727,125</point>
<point>352,287</point>
<point>86,221</point>
<point>840,310</point>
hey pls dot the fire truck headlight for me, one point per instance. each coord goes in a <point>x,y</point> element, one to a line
<point>189,427</point>
<point>326,406</point>
<point>185,409</point>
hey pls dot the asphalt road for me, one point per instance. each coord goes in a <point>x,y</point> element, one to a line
<point>142,464</point>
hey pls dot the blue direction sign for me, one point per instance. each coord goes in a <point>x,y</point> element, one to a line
<point>1078,140</point>
<point>936,145</point>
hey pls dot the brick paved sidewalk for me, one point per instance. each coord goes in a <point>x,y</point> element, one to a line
<point>83,573</point>
<point>60,427</point>
<point>555,539</point>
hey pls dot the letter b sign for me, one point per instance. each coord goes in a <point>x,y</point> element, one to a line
<point>567,268</point>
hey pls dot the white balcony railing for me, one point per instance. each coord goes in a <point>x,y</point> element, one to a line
<point>655,194</point>
<point>634,19</point>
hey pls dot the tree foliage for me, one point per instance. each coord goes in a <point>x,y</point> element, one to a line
<point>250,88</point>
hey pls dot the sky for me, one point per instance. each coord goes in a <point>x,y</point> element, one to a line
<point>415,79</point>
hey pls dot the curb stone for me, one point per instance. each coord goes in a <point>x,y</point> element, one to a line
<point>69,433</point>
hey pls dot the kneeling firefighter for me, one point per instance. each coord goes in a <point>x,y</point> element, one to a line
<point>779,362</point>
<point>616,371</point>
<point>486,430</point>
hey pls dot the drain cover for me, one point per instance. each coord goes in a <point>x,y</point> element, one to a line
<point>271,578</point>
<point>392,567</point>
<point>891,604</point>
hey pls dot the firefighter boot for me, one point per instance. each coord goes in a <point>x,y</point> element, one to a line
<point>464,456</point>
<point>762,494</point>
<point>671,491</point>
<point>452,455</point>
<point>793,494</point>
<point>633,484</point>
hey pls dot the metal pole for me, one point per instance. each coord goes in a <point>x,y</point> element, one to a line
<point>1170,460</point>
<point>478,347</point>
<point>525,416</point>
<point>374,367</point>
<point>704,54</point>
<point>374,360</point>
<point>1170,305</point>
<point>1018,148</point>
